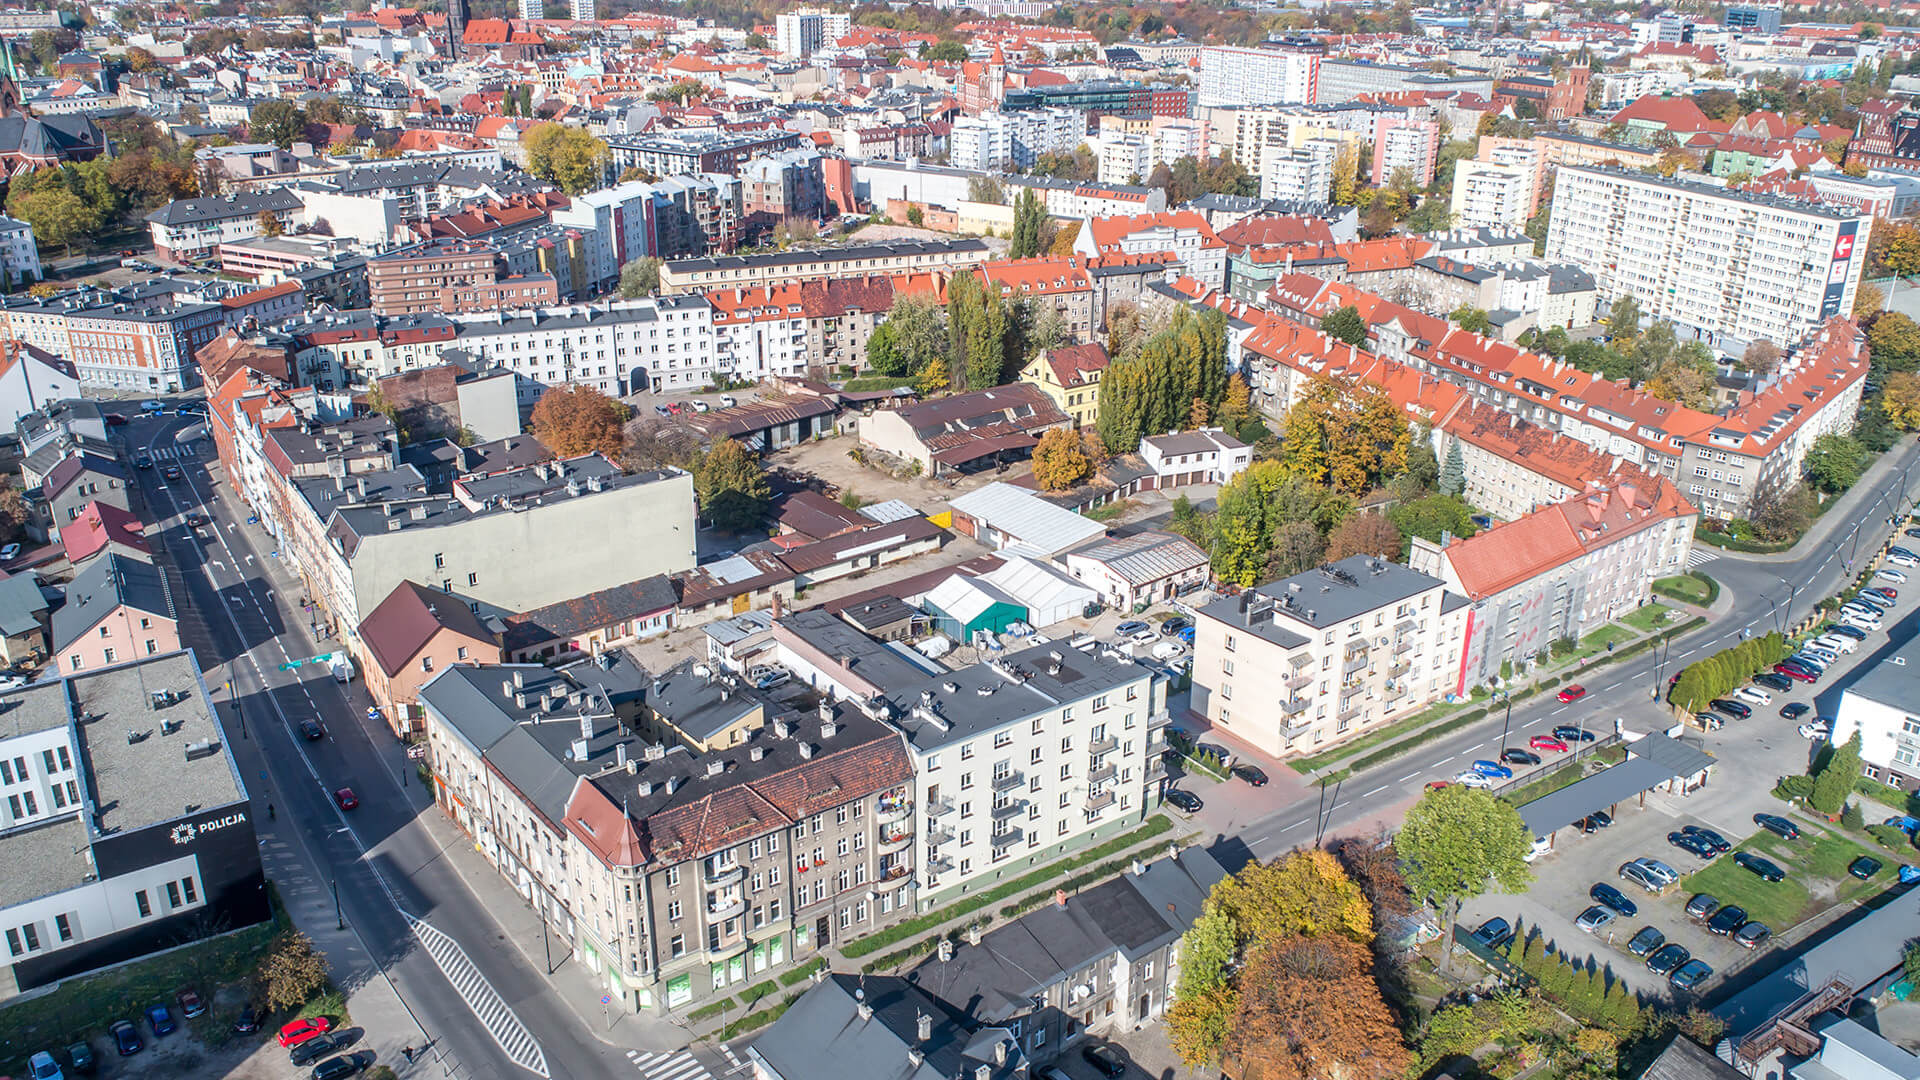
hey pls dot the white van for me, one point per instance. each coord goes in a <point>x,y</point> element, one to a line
<point>1864,622</point>
<point>1835,643</point>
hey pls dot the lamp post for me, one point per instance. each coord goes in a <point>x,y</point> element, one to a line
<point>340,921</point>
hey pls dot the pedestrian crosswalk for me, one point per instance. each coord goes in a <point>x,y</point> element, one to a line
<point>679,1065</point>
<point>494,1014</point>
<point>1700,556</point>
<point>175,452</point>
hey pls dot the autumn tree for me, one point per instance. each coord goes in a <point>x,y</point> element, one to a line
<point>292,973</point>
<point>1310,1008</point>
<point>1350,437</point>
<point>1761,357</point>
<point>1458,842</point>
<point>277,121</point>
<point>1151,389</point>
<point>1896,341</point>
<point>641,277</point>
<point>1370,533</point>
<point>1060,461</point>
<point>731,486</point>
<point>1900,248</point>
<point>1900,398</point>
<point>1374,865</point>
<point>568,157</point>
<point>574,420</point>
<point>269,223</point>
<point>1198,1025</point>
<point>1304,893</point>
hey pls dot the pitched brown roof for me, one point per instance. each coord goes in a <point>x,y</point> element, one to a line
<point>410,616</point>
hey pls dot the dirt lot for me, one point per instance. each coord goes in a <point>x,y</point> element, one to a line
<point>880,234</point>
<point>828,460</point>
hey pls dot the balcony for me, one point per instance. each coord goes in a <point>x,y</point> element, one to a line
<point>1007,837</point>
<point>1297,728</point>
<point>1353,665</point>
<point>1349,715</point>
<point>721,907</point>
<point>1402,647</point>
<point>1399,669</point>
<point>894,876</point>
<point>939,864</point>
<point>1097,803</point>
<point>1010,781</point>
<point>937,808</point>
<point>895,839</point>
<point>938,835</point>
<point>1103,746</point>
<point>1300,681</point>
<point>1009,811</point>
<point>895,809</point>
<point>725,875</point>
<point>1294,706</point>
<point>1102,775</point>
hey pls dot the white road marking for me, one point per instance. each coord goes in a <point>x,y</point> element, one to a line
<point>1407,777</point>
<point>1374,792</point>
<point>1295,825</point>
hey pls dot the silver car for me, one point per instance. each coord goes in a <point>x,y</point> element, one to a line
<point>1667,875</point>
<point>1641,876</point>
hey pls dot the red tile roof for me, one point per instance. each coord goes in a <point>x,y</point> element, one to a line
<point>409,618</point>
<point>99,525</point>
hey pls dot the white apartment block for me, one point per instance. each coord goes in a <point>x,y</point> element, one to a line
<point>1321,657</point>
<point>1731,267</point>
<point>804,31</point>
<point>19,255</point>
<point>994,140</point>
<point>1235,75</point>
<point>617,225</point>
<point>1125,158</point>
<point>1304,173</point>
<point>1490,196</point>
<point>1019,757</point>
<point>583,10</point>
<point>662,344</point>
<point>1883,706</point>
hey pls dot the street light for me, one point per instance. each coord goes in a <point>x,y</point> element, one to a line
<point>340,921</point>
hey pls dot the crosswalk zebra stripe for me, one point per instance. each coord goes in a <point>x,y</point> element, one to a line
<point>1701,556</point>
<point>512,1036</point>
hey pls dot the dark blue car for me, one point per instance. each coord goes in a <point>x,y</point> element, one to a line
<point>161,1020</point>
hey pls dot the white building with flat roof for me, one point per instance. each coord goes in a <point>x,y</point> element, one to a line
<point>1237,75</point>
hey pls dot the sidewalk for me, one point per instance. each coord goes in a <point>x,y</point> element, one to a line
<point>1901,458</point>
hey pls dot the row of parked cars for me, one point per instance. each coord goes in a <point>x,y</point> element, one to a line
<point>1482,773</point>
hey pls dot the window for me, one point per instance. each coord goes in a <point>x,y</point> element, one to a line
<point>426,663</point>
<point>64,926</point>
<point>141,903</point>
<point>840,847</point>
<point>173,894</point>
<point>473,579</point>
<point>676,948</point>
<point>673,911</point>
<point>840,818</point>
<point>75,663</point>
<point>439,561</point>
<point>1230,643</point>
<point>673,877</point>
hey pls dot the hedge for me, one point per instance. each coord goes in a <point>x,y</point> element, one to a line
<point>804,971</point>
<point>1887,796</point>
<point>1153,827</point>
<point>1717,675</point>
<point>759,1019</point>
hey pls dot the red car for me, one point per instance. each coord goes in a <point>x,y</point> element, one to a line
<point>1436,785</point>
<point>1572,693</point>
<point>300,1031</point>
<point>346,798</point>
<point>114,419</point>
<point>1547,742</point>
<point>1793,671</point>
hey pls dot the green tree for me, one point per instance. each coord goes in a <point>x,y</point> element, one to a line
<point>1834,463</point>
<point>1029,225</point>
<point>756,40</point>
<point>567,157</point>
<point>731,486</point>
<point>278,121</point>
<point>1432,515</point>
<point>1623,318</point>
<point>1835,782</point>
<point>944,52</point>
<point>1345,324</point>
<point>1471,319</point>
<point>1458,842</point>
<point>639,278</point>
<point>1453,475</point>
<point>57,215</point>
<point>1205,951</point>
<point>987,189</point>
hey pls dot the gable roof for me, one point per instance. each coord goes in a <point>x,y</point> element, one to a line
<point>409,618</point>
<point>99,525</point>
<point>104,587</point>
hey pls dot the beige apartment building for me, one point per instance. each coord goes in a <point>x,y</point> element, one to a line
<point>1310,661</point>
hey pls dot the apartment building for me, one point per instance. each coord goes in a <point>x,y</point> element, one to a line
<point>1321,657</point>
<point>1184,233</point>
<point>1022,758</point>
<point>784,332</point>
<point>1730,266</point>
<point>662,344</point>
<point>777,268</point>
<point>804,31</point>
<point>19,254</point>
<point>1490,195</point>
<point>1402,142</point>
<point>767,835</point>
<point>188,229</point>
<point>118,847</point>
<point>1563,570</point>
<point>135,340</point>
<point>453,277</point>
<point>1009,141</point>
<point>1299,174</point>
<point>691,151</point>
<point>1236,75</point>
<point>1060,285</point>
<point>1880,707</point>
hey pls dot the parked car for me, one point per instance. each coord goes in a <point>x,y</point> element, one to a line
<point>1104,1059</point>
<point>1668,957</point>
<point>1858,635</point>
<point>1735,709</point>
<point>1795,710</point>
<point>160,1019</point>
<point>1473,779</point>
<point>1690,975</point>
<point>1513,755</point>
<point>1719,842</point>
<point>1765,869</point>
<point>126,1038</point>
<point>1779,684</point>
<point>728,401</point>
<point>1572,693</point>
<point>1185,801</point>
<point>1572,733</point>
<point>1640,876</point>
<point>1816,731</point>
<point>1547,742</point>
<point>1702,906</point>
<point>247,1022</point>
<point>1887,573</point>
<point>1666,875</point>
<point>1614,898</point>
<point>153,405</point>
<point>306,1053</point>
<point>191,1005</point>
<point>1727,920</point>
<point>9,553</point>
<point>80,1056</point>
<point>1494,933</point>
<point>1753,935</point>
<point>1690,843</point>
<point>295,1032</point>
<point>1594,919</point>
<point>1594,822</point>
<point>1839,644</point>
<point>1492,769</point>
<point>1171,627</point>
<point>1252,774</point>
<point>1778,826</point>
<point>1864,867</point>
<point>338,1068</point>
<point>1646,941</point>
<point>1753,695</point>
<point>41,1066</point>
<point>1129,628</point>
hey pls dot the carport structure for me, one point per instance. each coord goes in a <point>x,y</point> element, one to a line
<point>1654,762</point>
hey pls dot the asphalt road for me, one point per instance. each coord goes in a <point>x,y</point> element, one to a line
<point>466,988</point>
<point>1768,592</point>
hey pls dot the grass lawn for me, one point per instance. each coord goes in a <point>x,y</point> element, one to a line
<point>1816,866</point>
<point>1649,617</point>
<point>1687,588</point>
<point>1594,644</point>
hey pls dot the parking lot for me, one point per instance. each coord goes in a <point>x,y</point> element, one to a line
<point>1751,755</point>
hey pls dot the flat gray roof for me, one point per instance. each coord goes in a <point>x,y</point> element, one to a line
<point>137,784</point>
<point>994,693</point>
<point>1652,760</point>
<point>1894,681</point>
<point>45,859</point>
